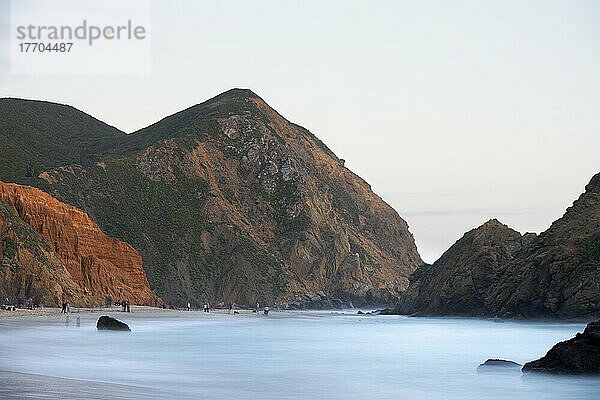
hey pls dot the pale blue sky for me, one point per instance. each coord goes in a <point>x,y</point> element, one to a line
<point>455,112</point>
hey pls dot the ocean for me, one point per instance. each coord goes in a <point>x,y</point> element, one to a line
<point>287,355</point>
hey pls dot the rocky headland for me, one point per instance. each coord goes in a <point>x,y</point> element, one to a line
<point>579,355</point>
<point>494,271</point>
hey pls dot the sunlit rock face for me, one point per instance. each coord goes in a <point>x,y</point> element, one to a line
<point>101,266</point>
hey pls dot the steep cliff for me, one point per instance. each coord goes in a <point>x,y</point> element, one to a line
<point>558,274</point>
<point>459,282</point>
<point>29,268</point>
<point>101,266</point>
<point>229,201</point>
<point>494,271</point>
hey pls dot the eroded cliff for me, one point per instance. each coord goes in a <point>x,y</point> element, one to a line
<point>99,265</point>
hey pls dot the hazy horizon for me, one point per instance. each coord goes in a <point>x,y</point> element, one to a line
<point>454,113</point>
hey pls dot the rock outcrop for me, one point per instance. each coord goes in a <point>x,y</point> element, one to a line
<point>101,266</point>
<point>106,323</point>
<point>313,301</point>
<point>578,355</point>
<point>497,364</point>
<point>459,282</point>
<point>558,274</point>
<point>29,268</point>
<point>493,271</point>
<point>229,201</point>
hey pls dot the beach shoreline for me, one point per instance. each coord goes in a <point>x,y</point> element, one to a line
<point>53,313</point>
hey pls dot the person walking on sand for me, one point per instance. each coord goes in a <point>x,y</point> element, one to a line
<point>205,308</point>
<point>230,307</point>
<point>188,306</point>
<point>257,306</point>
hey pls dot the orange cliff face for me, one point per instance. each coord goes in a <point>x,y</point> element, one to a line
<point>103,266</point>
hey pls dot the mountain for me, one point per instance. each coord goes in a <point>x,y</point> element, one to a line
<point>459,282</point>
<point>228,201</point>
<point>81,264</point>
<point>494,271</point>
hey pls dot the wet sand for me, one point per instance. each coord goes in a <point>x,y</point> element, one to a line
<point>53,313</point>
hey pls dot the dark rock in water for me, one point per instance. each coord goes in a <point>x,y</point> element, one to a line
<point>384,311</point>
<point>106,323</point>
<point>312,301</point>
<point>493,364</point>
<point>578,355</point>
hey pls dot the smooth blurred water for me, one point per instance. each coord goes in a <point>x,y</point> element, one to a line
<point>283,356</point>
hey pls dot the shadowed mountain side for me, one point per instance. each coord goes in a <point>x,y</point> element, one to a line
<point>494,271</point>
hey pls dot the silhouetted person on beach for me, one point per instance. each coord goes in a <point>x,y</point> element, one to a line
<point>188,306</point>
<point>230,307</point>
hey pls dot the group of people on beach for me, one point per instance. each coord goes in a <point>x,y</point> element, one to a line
<point>230,308</point>
<point>65,307</point>
<point>125,307</point>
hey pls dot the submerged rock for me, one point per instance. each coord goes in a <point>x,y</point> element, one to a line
<point>106,323</point>
<point>578,355</point>
<point>384,311</point>
<point>311,301</point>
<point>495,364</point>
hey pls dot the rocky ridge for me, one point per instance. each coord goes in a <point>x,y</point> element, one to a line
<point>459,282</point>
<point>493,271</point>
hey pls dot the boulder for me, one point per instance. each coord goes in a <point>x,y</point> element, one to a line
<point>495,364</point>
<point>578,355</point>
<point>106,323</point>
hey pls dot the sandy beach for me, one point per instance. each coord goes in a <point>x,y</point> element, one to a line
<point>86,313</point>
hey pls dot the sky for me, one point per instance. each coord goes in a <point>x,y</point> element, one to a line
<point>455,112</point>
